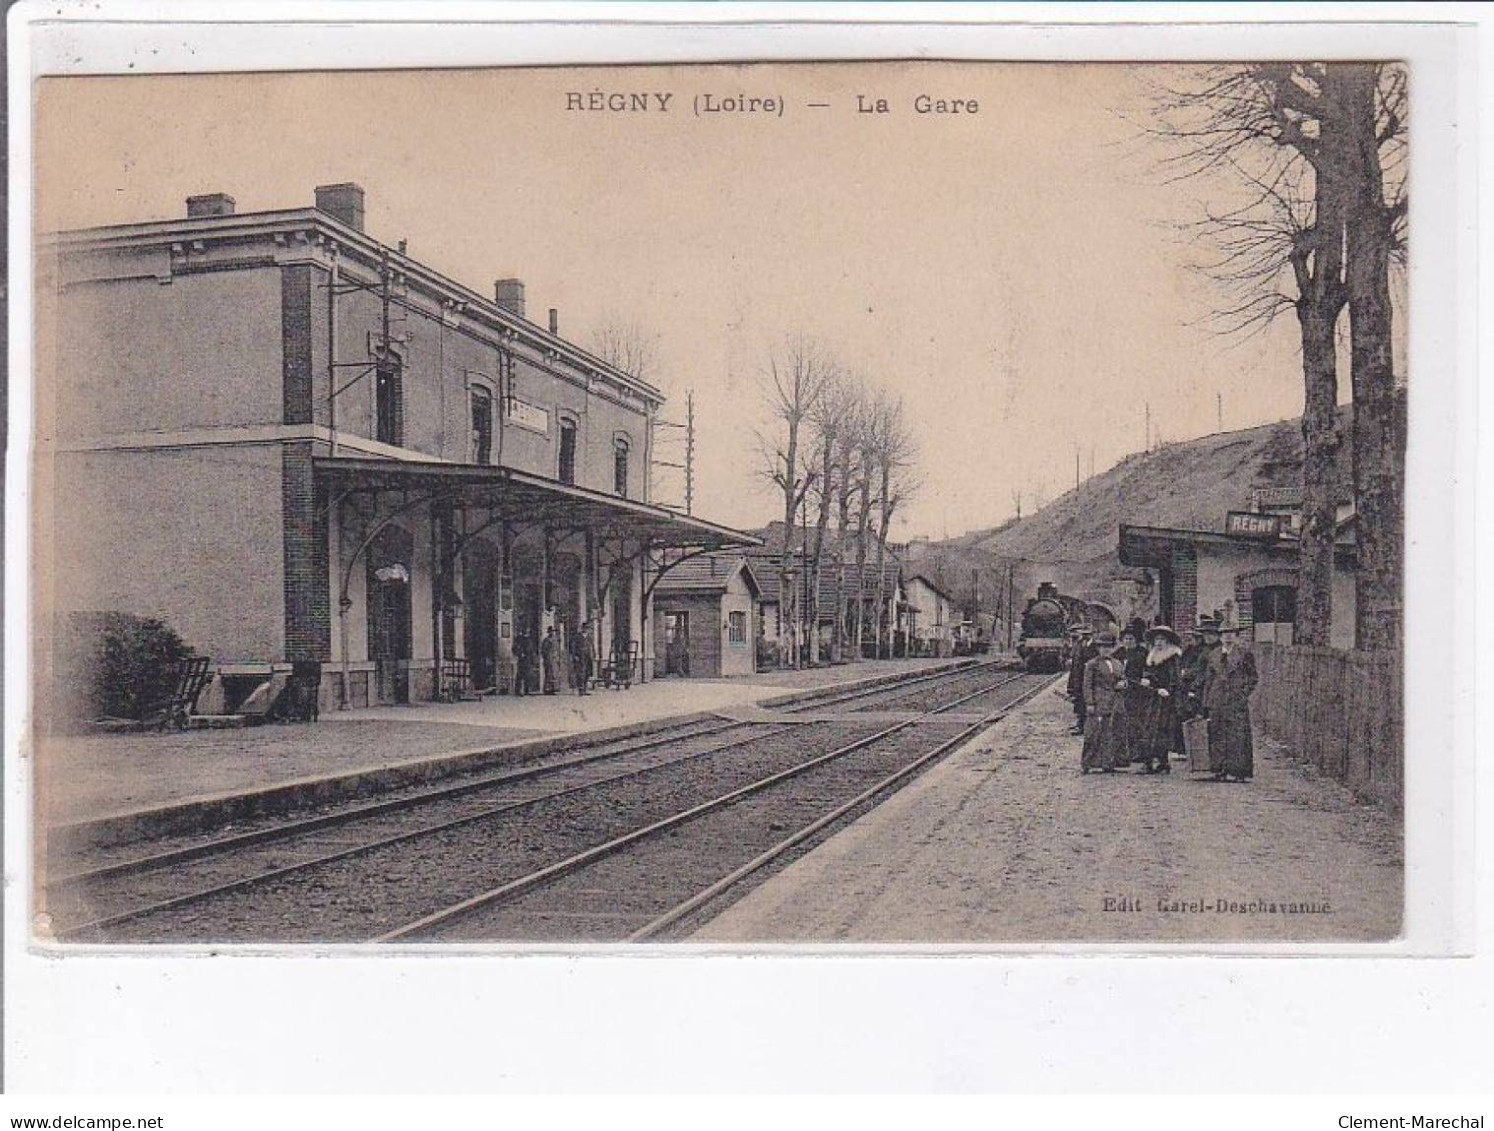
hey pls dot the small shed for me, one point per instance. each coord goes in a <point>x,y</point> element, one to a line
<point>705,617</point>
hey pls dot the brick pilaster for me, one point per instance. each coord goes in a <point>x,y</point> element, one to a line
<point>308,618</point>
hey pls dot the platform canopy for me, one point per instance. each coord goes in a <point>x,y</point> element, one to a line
<point>527,498</point>
<point>1153,545</point>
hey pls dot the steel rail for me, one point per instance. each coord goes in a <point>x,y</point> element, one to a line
<point>608,848</point>
<point>372,809</point>
<point>888,688</point>
<point>312,824</point>
<point>762,860</point>
<point>245,882</point>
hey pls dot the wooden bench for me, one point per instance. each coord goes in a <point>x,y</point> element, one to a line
<point>189,677</point>
<point>456,681</point>
<point>621,667</point>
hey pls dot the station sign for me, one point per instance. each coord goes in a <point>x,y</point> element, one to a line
<point>530,416</point>
<point>1250,524</point>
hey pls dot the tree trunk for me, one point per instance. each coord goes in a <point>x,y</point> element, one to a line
<point>786,608</point>
<point>885,514</point>
<point>863,530</point>
<point>1379,437</point>
<point>1320,444</point>
<point>822,524</point>
<point>843,526</point>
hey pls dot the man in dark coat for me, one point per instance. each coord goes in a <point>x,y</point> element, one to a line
<point>550,660</point>
<point>1159,731</point>
<point>1229,678</point>
<point>1190,675</point>
<point>583,658</point>
<point>1104,717</point>
<point>1083,652</point>
<point>524,664</point>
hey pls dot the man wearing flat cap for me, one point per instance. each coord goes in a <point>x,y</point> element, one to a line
<point>1229,678</point>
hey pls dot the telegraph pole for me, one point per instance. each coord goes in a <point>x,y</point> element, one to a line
<point>689,451</point>
<point>1011,613</point>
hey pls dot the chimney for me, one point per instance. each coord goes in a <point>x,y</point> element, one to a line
<point>209,204</point>
<point>509,294</point>
<point>554,321</point>
<point>342,202</point>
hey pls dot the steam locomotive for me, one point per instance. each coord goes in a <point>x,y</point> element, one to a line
<point>1044,645</point>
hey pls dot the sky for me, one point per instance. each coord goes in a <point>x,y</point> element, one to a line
<point>1019,276</point>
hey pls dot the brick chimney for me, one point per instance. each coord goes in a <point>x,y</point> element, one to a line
<point>209,204</point>
<point>342,202</point>
<point>509,294</point>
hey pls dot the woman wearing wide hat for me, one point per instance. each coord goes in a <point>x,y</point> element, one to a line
<point>1158,727</point>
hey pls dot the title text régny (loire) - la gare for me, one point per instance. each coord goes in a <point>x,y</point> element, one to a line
<point>600,101</point>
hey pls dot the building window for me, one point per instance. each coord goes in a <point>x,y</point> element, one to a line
<point>567,451</point>
<point>388,397</point>
<point>1274,613</point>
<point>482,426</point>
<point>736,630</point>
<point>620,467</point>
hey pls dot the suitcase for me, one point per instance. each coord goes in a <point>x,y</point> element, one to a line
<point>1196,744</point>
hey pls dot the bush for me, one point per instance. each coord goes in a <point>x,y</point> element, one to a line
<point>115,665</point>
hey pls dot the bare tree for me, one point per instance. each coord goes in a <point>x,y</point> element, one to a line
<point>1375,111</point>
<point>866,460</point>
<point>626,345</point>
<point>830,417</point>
<point>1314,231</point>
<point>893,451</point>
<point>847,489</point>
<point>795,377</point>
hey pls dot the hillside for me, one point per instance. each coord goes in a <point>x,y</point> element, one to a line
<point>1072,540</point>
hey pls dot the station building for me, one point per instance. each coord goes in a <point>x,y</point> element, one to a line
<point>1246,571</point>
<point>296,444</point>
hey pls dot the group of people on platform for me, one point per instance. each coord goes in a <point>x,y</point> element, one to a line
<point>1133,696</point>
<point>537,669</point>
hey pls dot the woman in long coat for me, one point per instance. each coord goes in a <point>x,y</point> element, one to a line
<point>1228,681</point>
<point>1158,727</point>
<point>1132,654</point>
<point>1104,723</point>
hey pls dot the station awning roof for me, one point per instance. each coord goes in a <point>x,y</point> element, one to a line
<point>1152,545</point>
<point>528,498</point>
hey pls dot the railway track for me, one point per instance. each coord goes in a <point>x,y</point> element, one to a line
<point>356,873</point>
<point>657,881</point>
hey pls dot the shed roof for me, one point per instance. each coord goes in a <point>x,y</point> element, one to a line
<point>708,573</point>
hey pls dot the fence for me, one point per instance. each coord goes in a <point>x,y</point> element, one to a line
<point>1341,711</point>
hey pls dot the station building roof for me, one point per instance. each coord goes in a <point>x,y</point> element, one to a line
<point>528,498</point>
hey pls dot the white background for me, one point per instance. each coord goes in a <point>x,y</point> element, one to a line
<point>1101,1020</point>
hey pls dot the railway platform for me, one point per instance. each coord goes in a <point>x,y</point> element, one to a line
<point>1005,841</point>
<point>116,786</point>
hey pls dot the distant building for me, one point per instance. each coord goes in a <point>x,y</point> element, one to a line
<point>932,620</point>
<point>294,443</point>
<point>1246,572</point>
<point>774,607</point>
